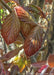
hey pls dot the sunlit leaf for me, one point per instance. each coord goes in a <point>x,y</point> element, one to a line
<point>1,10</point>
<point>21,62</point>
<point>27,22</point>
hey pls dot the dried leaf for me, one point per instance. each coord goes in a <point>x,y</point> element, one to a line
<point>10,28</point>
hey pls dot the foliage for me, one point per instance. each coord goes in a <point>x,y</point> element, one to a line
<point>20,26</point>
<point>10,28</point>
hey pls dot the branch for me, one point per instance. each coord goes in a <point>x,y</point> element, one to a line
<point>3,2</point>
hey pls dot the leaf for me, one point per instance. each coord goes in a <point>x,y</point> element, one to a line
<point>26,20</point>
<point>25,29</point>
<point>10,54</point>
<point>10,28</point>
<point>24,16</point>
<point>2,70</point>
<point>35,10</point>
<point>50,1</point>
<point>7,65</point>
<point>19,40</point>
<point>34,41</point>
<point>6,1</point>
<point>21,62</point>
<point>51,60</point>
<point>1,52</point>
<point>39,64</point>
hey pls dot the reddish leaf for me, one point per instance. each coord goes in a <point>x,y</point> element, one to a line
<point>24,16</point>
<point>50,1</point>
<point>1,65</point>
<point>39,64</point>
<point>2,71</point>
<point>51,60</point>
<point>10,28</point>
<point>10,54</point>
<point>36,9</point>
<point>6,1</point>
<point>27,23</point>
<point>33,42</point>
<point>1,52</point>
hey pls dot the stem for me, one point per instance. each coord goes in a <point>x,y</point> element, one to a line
<point>5,47</point>
<point>6,6</point>
<point>41,3</point>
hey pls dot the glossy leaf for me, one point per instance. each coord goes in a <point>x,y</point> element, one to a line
<point>34,41</point>
<point>10,28</point>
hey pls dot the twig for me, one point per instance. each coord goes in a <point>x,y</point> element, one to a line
<point>6,6</point>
